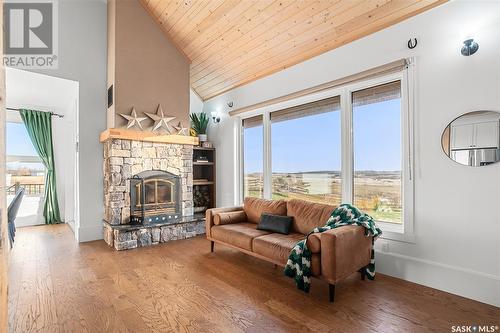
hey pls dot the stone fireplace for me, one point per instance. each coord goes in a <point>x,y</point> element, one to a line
<point>148,196</point>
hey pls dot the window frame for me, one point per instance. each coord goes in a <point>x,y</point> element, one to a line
<point>400,232</point>
<point>404,231</point>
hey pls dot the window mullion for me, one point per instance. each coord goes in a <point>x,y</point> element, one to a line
<point>267,156</point>
<point>238,161</point>
<point>347,146</point>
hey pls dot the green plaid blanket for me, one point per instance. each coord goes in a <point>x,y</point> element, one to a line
<point>298,265</point>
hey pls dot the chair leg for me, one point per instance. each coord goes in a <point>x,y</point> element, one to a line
<point>212,243</point>
<point>331,291</point>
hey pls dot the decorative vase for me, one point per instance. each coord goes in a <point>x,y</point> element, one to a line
<point>202,137</point>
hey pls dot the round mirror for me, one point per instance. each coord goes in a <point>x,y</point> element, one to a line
<point>473,138</point>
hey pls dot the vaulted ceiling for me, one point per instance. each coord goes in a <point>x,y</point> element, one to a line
<point>231,43</point>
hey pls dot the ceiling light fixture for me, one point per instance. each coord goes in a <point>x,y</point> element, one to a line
<point>215,117</point>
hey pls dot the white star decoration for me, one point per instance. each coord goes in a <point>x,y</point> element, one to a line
<point>181,130</point>
<point>161,121</point>
<point>133,119</point>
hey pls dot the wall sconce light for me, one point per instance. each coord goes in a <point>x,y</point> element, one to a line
<point>470,47</point>
<point>215,117</point>
<point>230,104</point>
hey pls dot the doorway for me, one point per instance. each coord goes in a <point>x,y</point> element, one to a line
<point>28,90</point>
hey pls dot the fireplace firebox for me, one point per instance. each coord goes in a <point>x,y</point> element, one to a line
<point>154,197</point>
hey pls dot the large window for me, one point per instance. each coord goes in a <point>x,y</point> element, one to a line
<point>253,157</point>
<point>305,152</point>
<point>376,118</point>
<point>346,144</point>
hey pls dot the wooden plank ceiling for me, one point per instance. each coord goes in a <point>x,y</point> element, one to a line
<point>231,43</point>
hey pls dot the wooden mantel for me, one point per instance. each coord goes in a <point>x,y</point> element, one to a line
<point>126,134</point>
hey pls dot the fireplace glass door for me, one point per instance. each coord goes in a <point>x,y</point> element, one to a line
<point>156,192</point>
<point>155,196</point>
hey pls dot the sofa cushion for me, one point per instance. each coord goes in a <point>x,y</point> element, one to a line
<point>275,223</point>
<point>230,217</point>
<point>276,246</point>
<point>307,215</point>
<point>238,234</point>
<point>254,208</point>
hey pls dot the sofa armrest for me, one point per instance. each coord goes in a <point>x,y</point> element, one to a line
<point>344,250</point>
<point>210,213</point>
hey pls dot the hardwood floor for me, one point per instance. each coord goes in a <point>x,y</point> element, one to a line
<point>57,285</point>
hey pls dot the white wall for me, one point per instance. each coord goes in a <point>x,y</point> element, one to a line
<point>46,93</point>
<point>457,215</point>
<point>195,102</point>
<point>83,58</point>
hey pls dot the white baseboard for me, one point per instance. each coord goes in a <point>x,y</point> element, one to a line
<point>90,233</point>
<point>471,284</point>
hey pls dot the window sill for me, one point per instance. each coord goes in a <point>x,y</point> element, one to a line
<point>395,232</point>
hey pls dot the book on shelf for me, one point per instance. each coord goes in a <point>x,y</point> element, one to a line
<point>202,159</point>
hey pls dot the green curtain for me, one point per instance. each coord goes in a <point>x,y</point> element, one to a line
<point>39,126</point>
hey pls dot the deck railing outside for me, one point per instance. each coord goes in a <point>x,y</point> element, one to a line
<point>30,189</point>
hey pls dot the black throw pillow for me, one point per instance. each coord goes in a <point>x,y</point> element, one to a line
<point>275,223</point>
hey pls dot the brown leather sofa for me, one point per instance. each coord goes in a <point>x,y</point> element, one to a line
<point>337,253</point>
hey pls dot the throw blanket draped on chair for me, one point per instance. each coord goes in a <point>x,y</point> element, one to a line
<point>298,265</point>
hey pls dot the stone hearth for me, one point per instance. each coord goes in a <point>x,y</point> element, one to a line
<point>124,237</point>
<point>125,158</point>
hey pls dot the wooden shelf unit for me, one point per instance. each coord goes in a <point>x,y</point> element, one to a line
<point>204,173</point>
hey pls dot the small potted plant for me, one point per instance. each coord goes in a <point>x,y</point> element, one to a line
<point>199,122</point>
